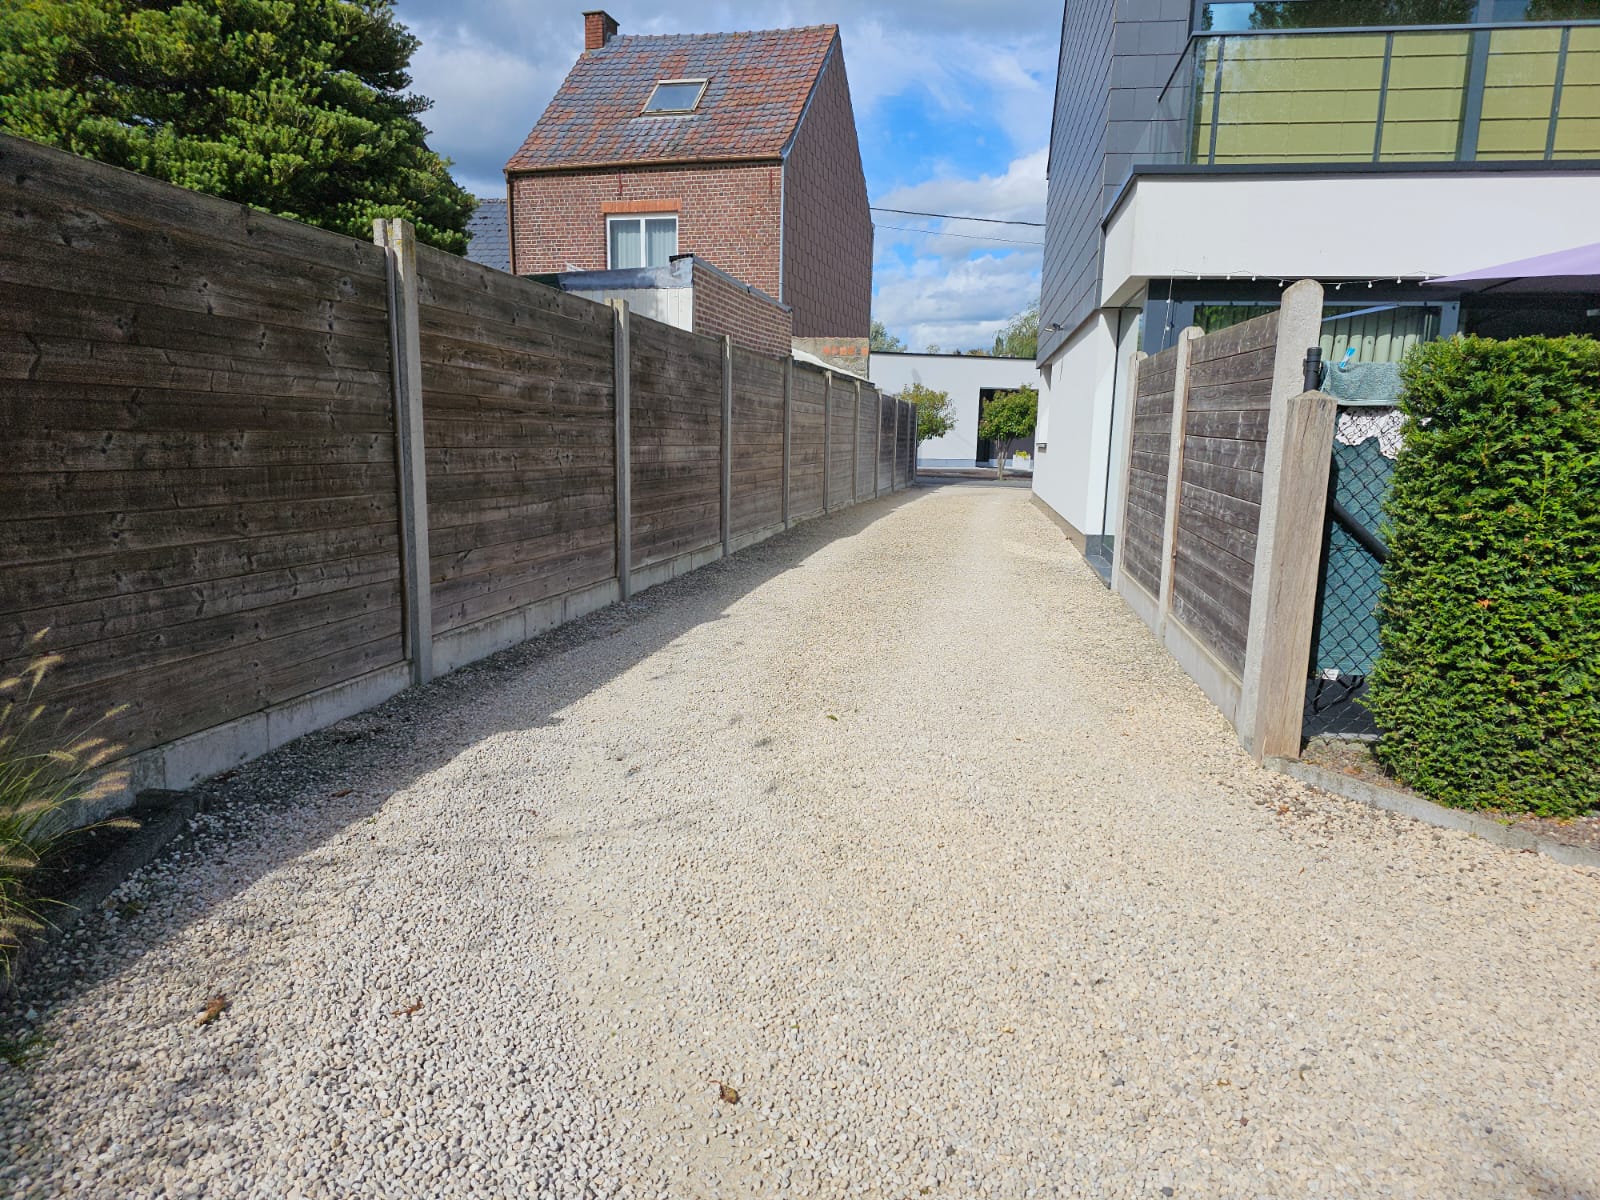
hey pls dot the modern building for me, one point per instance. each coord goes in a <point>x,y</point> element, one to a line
<point>971,381</point>
<point>1204,154</point>
<point>737,148</point>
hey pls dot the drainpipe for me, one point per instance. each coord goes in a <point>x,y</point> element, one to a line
<point>1111,432</point>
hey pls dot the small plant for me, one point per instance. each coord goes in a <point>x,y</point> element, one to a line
<point>1009,418</point>
<point>936,415</point>
<point>46,768</point>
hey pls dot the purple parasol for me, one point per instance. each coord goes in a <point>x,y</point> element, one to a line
<point>1574,270</point>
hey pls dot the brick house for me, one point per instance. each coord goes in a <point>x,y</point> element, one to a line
<point>737,148</point>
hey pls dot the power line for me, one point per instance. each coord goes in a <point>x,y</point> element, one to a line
<point>911,212</point>
<point>971,237</point>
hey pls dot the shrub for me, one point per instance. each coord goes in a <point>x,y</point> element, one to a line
<point>46,767</point>
<point>936,415</point>
<point>1487,687</point>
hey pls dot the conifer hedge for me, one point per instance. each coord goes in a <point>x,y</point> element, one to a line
<point>1487,688</point>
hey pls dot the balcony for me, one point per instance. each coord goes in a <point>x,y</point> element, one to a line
<point>1529,93</point>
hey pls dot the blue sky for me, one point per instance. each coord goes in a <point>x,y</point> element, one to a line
<point>952,102</point>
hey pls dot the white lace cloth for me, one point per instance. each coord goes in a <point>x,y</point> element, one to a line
<point>1357,425</point>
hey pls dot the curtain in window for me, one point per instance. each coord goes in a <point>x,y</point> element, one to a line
<point>661,240</point>
<point>627,249</point>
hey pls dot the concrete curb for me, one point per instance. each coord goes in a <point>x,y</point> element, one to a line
<point>162,817</point>
<point>1392,800</point>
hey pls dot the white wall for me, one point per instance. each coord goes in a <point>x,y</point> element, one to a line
<point>1341,226</point>
<point>963,377</point>
<point>671,306</point>
<point>1082,411</point>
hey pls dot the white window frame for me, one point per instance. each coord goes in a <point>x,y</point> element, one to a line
<point>647,111</point>
<point>640,219</point>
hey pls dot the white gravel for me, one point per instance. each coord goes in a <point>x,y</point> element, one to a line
<point>910,836</point>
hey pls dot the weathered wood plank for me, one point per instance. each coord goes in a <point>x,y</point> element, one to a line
<point>1225,452</point>
<point>1242,485</point>
<point>1259,333</point>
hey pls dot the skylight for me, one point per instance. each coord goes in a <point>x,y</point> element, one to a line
<point>676,96</point>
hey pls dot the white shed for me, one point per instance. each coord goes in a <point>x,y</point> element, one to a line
<point>970,381</point>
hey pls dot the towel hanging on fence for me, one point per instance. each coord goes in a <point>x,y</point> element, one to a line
<point>1363,383</point>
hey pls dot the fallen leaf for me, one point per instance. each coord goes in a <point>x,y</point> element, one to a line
<point>831,717</point>
<point>409,1010</point>
<point>344,791</point>
<point>729,1095</point>
<point>214,1008</point>
<point>1224,1083</point>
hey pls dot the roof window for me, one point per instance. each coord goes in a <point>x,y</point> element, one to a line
<point>676,96</point>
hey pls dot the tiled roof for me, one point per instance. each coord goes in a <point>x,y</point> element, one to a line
<point>759,83</point>
<point>489,236</point>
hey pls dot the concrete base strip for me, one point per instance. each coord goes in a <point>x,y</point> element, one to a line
<point>1392,800</point>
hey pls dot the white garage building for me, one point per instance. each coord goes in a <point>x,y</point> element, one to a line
<point>970,381</point>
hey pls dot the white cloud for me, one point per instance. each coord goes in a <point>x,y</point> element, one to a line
<point>1016,195</point>
<point>482,96</point>
<point>958,305</point>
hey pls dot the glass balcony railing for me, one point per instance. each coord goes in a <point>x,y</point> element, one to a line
<point>1237,16</point>
<point>1396,96</point>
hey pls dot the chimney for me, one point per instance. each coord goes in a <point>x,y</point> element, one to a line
<point>599,27</point>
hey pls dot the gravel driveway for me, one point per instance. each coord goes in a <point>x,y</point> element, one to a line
<point>898,828</point>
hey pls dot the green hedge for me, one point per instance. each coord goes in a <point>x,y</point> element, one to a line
<point>1487,689</point>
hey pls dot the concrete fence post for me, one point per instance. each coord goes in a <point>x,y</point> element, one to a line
<point>788,428</point>
<point>1169,525</point>
<point>399,242</point>
<point>624,444</point>
<point>727,445</point>
<point>1294,492</point>
<point>827,440</point>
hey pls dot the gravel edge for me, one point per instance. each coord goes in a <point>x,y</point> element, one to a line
<point>1392,800</point>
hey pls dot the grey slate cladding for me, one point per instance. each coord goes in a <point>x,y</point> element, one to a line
<point>489,236</point>
<point>1116,55</point>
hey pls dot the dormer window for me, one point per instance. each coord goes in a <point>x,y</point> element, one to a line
<point>675,96</point>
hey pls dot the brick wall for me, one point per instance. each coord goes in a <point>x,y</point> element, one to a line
<point>728,214</point>
<point>754,321</point>
<point>828,245</point>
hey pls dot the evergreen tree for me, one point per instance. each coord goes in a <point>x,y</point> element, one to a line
<point>298,107</point>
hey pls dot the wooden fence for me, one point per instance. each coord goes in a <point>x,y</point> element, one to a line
<point>1226,475</point>
<point>257,476</point>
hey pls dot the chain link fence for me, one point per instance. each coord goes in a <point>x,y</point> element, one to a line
<point>1345,639</point>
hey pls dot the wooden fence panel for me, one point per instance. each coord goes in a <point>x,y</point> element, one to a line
<point>676,412</point>
<point>805,441</point>
<point>757,441</point>
<point>842,469</point>
<point>519,428</point>
<point>197,481</point>
<point>866,442</point>
<point>1148,467</point>
<point>886,456</point>
<point>906,445</point>
<point>1219,500</point>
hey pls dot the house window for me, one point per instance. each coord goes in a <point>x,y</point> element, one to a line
<point>675,96</point>
<point>640,241</point>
